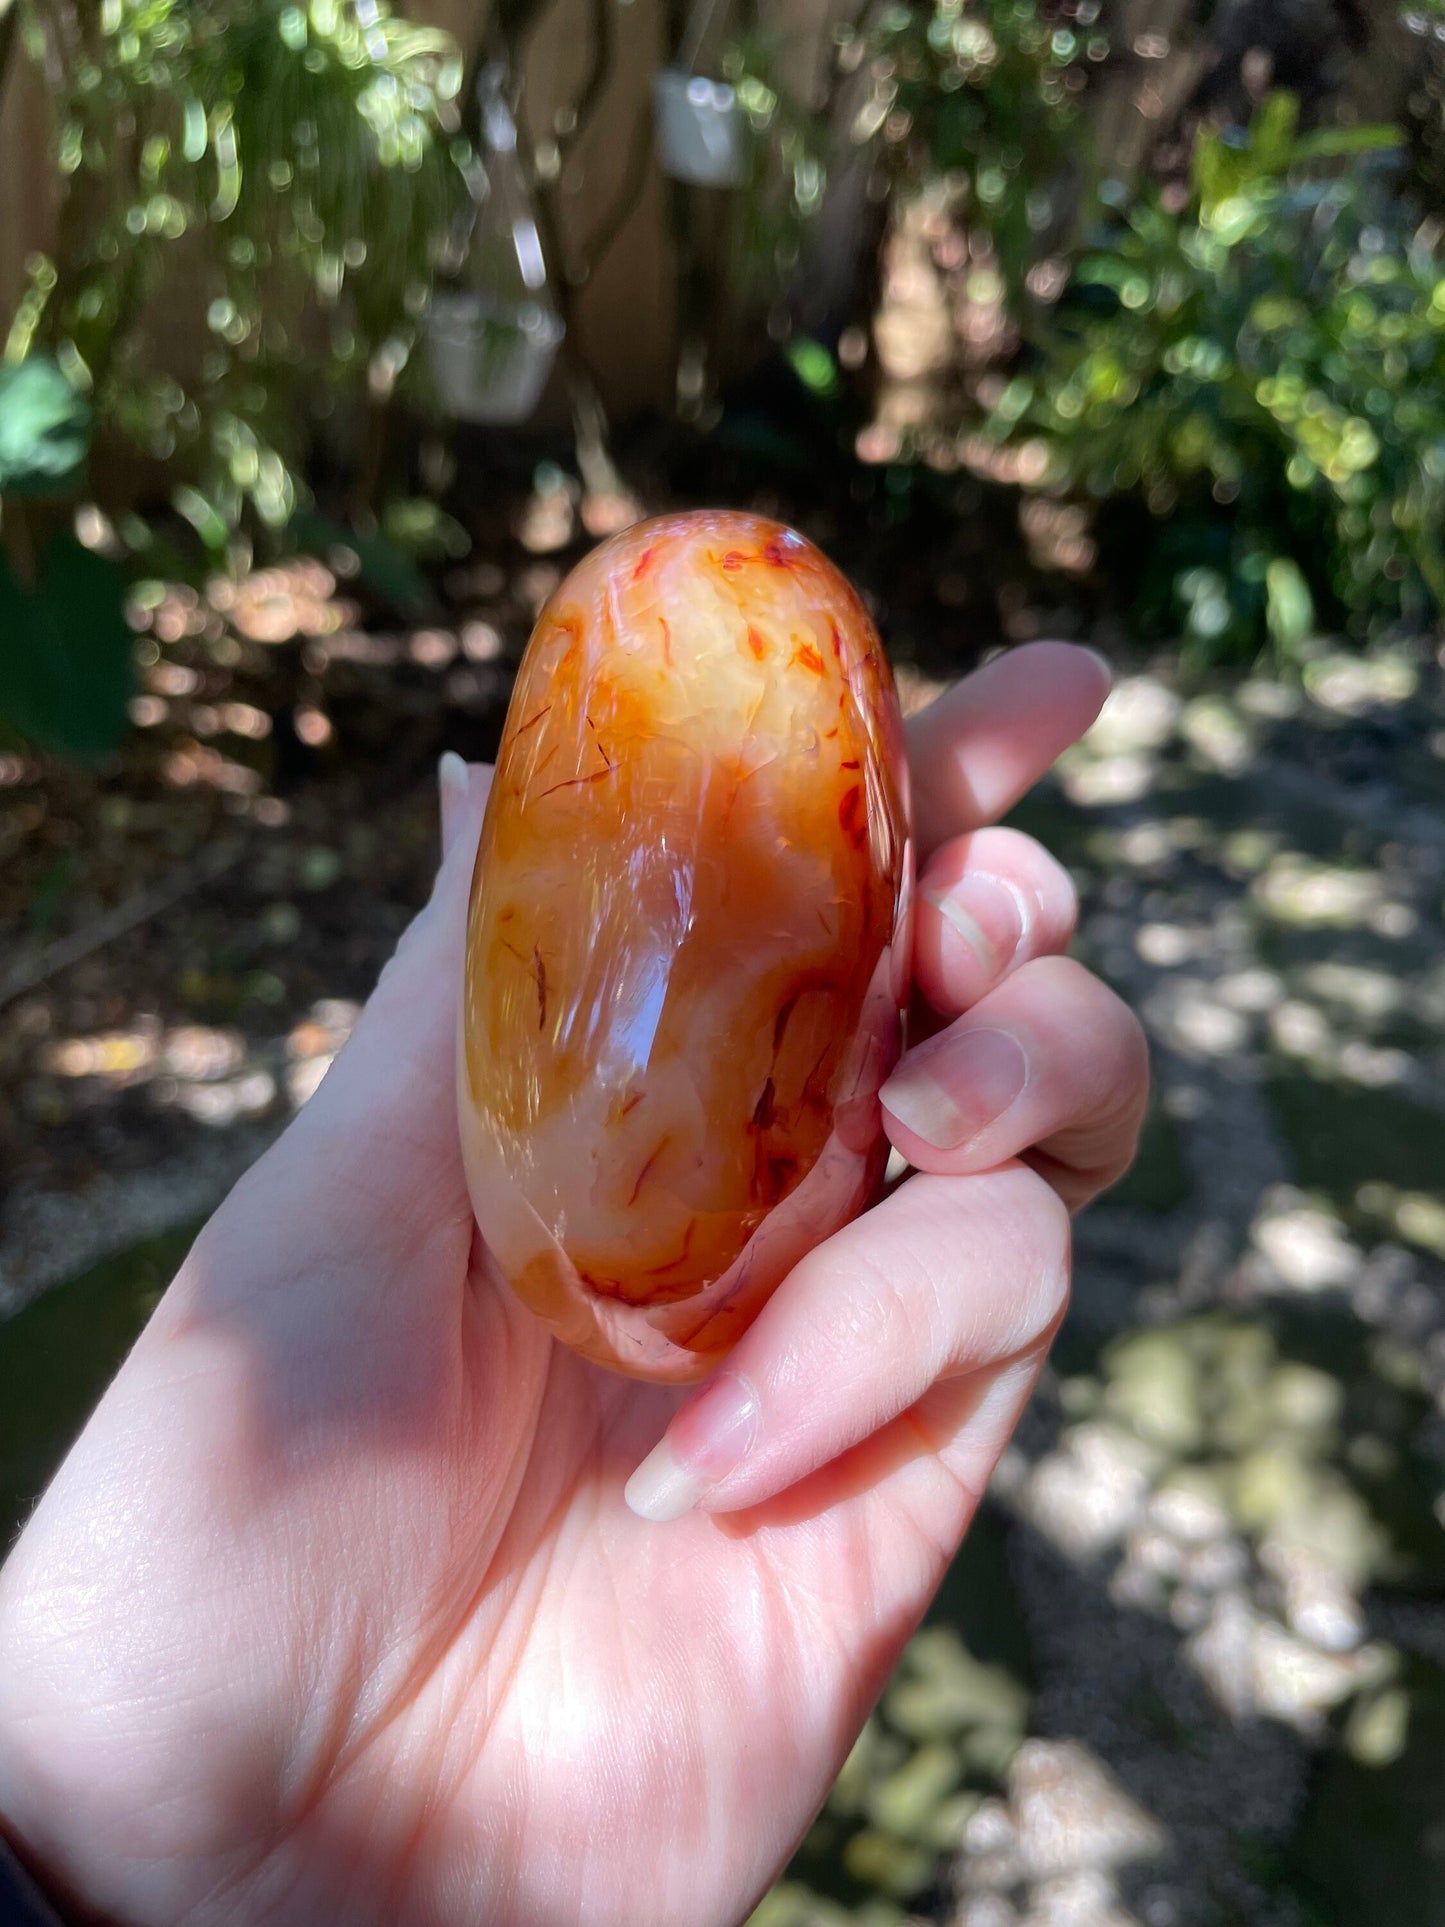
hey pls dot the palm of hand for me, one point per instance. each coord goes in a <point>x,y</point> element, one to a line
<point>368,1569</point>
<point>337,1612</point>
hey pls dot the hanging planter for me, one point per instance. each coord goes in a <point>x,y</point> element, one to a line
<point>492,332</point>
<point>699,129</point>
<point>699,124</point>
<point>490,361</point>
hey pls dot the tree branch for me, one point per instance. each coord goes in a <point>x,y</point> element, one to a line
<point>604,61</point>
<point>634,179</point>
<point>65,951</point>
<point>9,20</point>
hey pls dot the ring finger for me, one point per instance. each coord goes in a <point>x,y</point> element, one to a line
<point>987,904</point>
<point>1051,1065</point>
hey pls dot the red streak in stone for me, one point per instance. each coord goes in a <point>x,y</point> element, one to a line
<point>537,971</point>
<point>666,636</point>
<point>733,561</point>
<point>775,553</point>
<point>808,656</point>
<point>810,1096</point>
<point>575,782</point>
<point>852,817</point>
<point>771,1176</point>
<point>632,1103</point>
<point>662,1145</point>
<point>757,645</point>
<point>644,561</point>
<point>837,640</point>
<point>673,1263</point>
<point>532,721</point>
<point>852,763</point>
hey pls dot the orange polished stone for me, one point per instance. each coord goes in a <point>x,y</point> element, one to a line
<point>686,949</point>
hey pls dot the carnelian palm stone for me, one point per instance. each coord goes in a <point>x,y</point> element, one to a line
<point>686,948</point>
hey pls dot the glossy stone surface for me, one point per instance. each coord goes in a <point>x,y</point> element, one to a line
<point>686,952</point>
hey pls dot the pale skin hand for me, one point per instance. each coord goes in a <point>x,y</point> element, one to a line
<point>336,1611</point>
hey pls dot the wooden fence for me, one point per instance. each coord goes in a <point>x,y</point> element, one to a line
<point>625,312</point>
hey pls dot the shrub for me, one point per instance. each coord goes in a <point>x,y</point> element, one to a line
<point>252,198</point>
<point>1266,369</point>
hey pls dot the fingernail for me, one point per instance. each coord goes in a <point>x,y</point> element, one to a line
<point>451,791</point>
<point>953,1087</point>
<point>989,915</point>
<point>1103,662</point>
<point>451,776</point>
<point>705,1442</point>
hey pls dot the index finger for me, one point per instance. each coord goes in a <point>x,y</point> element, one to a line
<point>984,742</point>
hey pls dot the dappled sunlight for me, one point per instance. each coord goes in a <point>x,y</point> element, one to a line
<point>216,1076</point>
<point>1213,1479</point>
<point>1416,1216</point>
<point>1305,1247</point>
<point>1056,1841</point>
<point>1240,1503</point>
<point>312,1045</point>
<point>1293,889</point>
<point>1224,1509</point>
<point>1351,685</point>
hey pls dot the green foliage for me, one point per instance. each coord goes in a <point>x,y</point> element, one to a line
<point>988,94</point>
<point>1266,369</point>
<point>983,91</point>
<point>268,180</point>
<point>1251,353</point>
<point>786,159</point>
<point>384,565</point>
<point>44,429</point>
<point>65,651</point>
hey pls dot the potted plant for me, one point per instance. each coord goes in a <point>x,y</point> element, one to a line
<point>492,331</point>
<point>698,121</point>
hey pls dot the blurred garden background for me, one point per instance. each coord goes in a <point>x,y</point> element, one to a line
<point>331,334</point>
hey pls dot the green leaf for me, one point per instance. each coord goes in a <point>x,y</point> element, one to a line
<point>1272,132</point>
<point>813,365</point>
<point>1289,606</point>
<point>386,568</point>
<point>203,515</point>
<point>65,652</point>
<point>44,429</point>
<point>1334,143</point>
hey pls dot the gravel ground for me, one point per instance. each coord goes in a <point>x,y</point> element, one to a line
<point>1221,1520</point>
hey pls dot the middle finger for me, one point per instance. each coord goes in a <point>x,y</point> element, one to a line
<point>986,905</point>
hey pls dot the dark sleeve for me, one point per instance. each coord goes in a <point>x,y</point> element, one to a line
<point>21,1902</point>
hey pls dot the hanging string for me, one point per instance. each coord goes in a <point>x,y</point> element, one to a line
<point>699,20</point>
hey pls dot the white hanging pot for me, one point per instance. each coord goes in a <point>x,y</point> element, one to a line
<point>490,359</point>
<point>699,129</point>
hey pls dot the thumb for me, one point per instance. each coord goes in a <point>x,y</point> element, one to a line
<point>454,781</point>
<point>406,1035</point>
<point>378,1141</point>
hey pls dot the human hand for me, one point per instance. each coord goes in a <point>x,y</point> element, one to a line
<point>337,1612</point>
